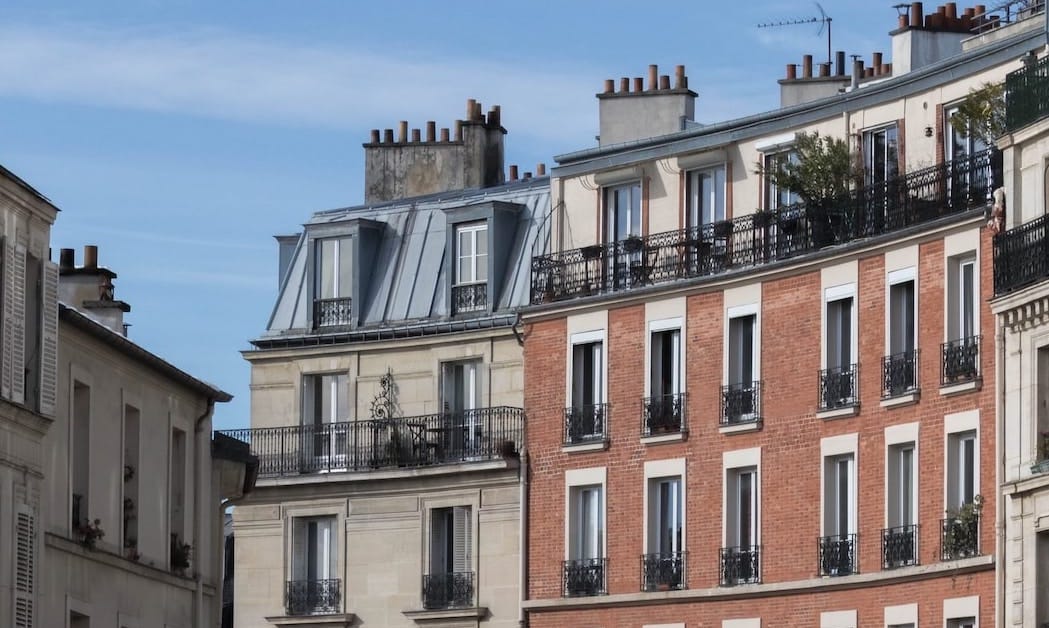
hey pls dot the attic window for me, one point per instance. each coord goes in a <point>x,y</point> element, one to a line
<point>333,281</point>
<point>470,290</point>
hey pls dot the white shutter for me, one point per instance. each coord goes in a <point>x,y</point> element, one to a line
<point>49,350</point>
<point>14,325</point>
<point>8,337</point>
<point>25,555</point>
<point>461,539</point>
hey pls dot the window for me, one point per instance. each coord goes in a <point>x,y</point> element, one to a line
<point>960,528</point>
<point>838,381</point>
<point>961,469</point>
<point>838,545</point>
<point>961,622</point>
<point>586,420</point>
<point>663,410</point>
<point>470,292</point>
<point>899,539</point>
<point>314,586</point>
<point>450,581</point>
<point>663,565</point>
<point>740,558</point>
<point>178,484</point>
<point>325,411</point>
<point>775,196</point>
<point>960,354</point>
<point>131,480</point>
<point>880,155</point>
<point>25,566</point>
<point>81,453</point>
<point>623,212</point>
<point>899,372</point>
<point>461,400</point>
<point>960,145</point>
<point>584,572</point>
<point>333,281</point>
<point>706,196</point>
<point>740,396</point>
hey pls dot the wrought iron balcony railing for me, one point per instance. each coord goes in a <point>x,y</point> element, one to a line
<point>312,597</point>
<point>917,197</point>
<point>960,361</point>
<point>1021,256</point>
<point>960,537</point>
<point>583,577</point>
<point>470,297</point>
<point>332,312</point>
<point>448,590</point>
<point>839,387</point>
<point>78,511</point>
<point>899,546</point>
<point>741,403</point>
<point>663,572</point>
<point>664,414</point>
<point>899,374</point>
<point>838,556</point>
<point>1027,95</point>
<point>586,424</point>
<point>416,441</point>
<point>740,565</point>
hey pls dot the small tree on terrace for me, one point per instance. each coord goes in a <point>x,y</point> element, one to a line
<point>824,167</point>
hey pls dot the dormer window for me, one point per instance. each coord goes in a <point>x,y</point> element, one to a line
<point>470,290</point>
<point>333,282</point>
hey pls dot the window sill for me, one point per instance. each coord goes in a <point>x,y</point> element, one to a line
<point>656,439</point>
<point>338,620</point>
<point>423,617</point>
<point>964,387</point>
<point>905,399</point>
<point>737,428</point>
<point>575,448</point>
<point>838,413</point>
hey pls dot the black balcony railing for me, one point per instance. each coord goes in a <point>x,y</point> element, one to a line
<point>1027,94</point>
<point>960,361</point>
<point>741,403</point>
<point>448,590</point>
<point>78,511</point>
<point>312,597</point>
<point>917,197</point>
<point>899,374</point>
<point>586,424</point>
<point>664,414</point>
<point>960,537</point>
<point>899,546</point>
<point>740,565</point>
<point>416,441</point>
<point>1021,256</point>
<point>663,572</point>
<point>839,387</point>
<point>837,555</point>
<point>332,312</point>
<point>584,576</point>
<point>471,297</point>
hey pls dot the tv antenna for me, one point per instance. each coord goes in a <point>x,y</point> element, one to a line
<point>823,20</point>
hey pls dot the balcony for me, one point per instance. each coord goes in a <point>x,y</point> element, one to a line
<point>1041,464</point>
<point>960,537</point>
<point>312,597</point>
<point>663,572</point>
<point>584,577</point>
<point>741,403</point>
<point>448,590</point>
<point>1021,256</point>
<point>417,441</point>
<point>586,424</point>
<point>471,297</point>
<point>960,361</point>
<point>740,565</point>
<point>839,388</point>
<point>837,555</point>
<point>899,546</point>
<point>332,313</point>
<point>899,374</point>
<point>1027,95</point>
<point>663,414</point>
<point>915,198</point>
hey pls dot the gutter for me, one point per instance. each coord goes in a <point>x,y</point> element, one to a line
<point>198,499</point>
<point>999,446</point>
<point>522,619</point>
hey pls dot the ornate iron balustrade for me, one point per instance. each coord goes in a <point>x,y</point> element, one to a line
<point>586,424</point>
<point>960,361</point>
<point>332,312</point>
<point>1027,95</point>
<point>837,555</point>
<point>312,597</point>
<point>899,374</point>
<point>839,387</point>
<point>663,572</point>
<point>583,577</point>
<point>960,537</point>
<point>917,197</point>
<point>899,546</point>
<point>740,565</point>
<point>448,590</point>
<point>664,414</point>
<point>471,297</point>
<point>1021,256</point>
<point>741,403</point>
<point>416,441</point>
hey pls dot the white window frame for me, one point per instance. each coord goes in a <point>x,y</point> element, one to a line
<point>732,464</point>
<point>896,436</point>
<point>770,192</point>
<point>954,427</point>
<point>901,615</point>
<point>750,622</point>
<point>340,242</point>
<point>961,608</point>
<point>895,278</point>
<point>959,248</point>
<point>655,471</point>
<point>320,508</point>
<point>478,261</point>
<point>838,619</point>
<point>610,210</point>
<point>830,295</point>
<point>583,338</point>
<point>717,192</point>
<point>737,312</point>
<point>659,326</point>
<point>576,479</point>
<point>957,301</point>
<point>833,448</point>
<point>867,150</point>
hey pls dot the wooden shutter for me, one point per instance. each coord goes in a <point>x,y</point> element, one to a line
<point>14,324</point>
<point>5,316</point>
<point>461,539</point>
<point>49,349</point>
<point>25,555</point>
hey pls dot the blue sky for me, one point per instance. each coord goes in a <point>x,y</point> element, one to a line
<point>181,136</point>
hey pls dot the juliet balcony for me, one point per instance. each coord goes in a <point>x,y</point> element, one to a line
<point>312,597</point>
<point>916,198</point>
<point>404,442</point>
<point>448,590</point>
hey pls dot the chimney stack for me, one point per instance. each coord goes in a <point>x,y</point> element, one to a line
<point>90,289</point>
<point>666,108</point>
<point>540,169</point>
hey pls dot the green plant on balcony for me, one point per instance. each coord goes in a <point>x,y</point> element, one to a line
<point>962,530</point>
<point>982,113</point>
<point>824,168</point>
<point>89,532</point>
<point>180,554</point>
<point>1041,463</point>
<point>131,549</point>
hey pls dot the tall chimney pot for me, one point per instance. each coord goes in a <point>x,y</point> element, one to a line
<point>375,136</point>
<point>876,61</point>
<point>67,259</point>
<point>825,69</point>
<point>387,136</point>
<point>91,256</point>
<point>416,136</point>
<point>444,134</point>
<point>431,130</point>
<point>639,84</point>
<point>806,66</point>
<point>680,80</point>
<point>540,168</point>
<point>402,131</point>
<point>792,71</point>
<point>610,86</point>
<point>653,77</point>
<point>624,85</point>
<point>458,130</point>
<point>917,15</point>
<point>470,102</point>
<point>513,172</point>
<point>839,63</point>
<point>664,82</point>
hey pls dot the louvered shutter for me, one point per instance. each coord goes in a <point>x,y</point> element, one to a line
<point>25,558</point>
<point>5,329</point>
<point>14,324</point>
<point>49,348</point>
<point>461,539</point>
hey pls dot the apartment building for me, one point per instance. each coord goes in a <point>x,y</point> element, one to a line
<point>387,394</point>
<point>749,408</point>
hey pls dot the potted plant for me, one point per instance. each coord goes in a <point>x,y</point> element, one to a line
<point>961,534</point>
<point>180,554</point>
<point>633,244</point>
<point>88,532</point>
<point>131,549</point>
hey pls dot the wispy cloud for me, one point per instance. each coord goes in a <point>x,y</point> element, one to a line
<point>151,236</point>
<point>233,76</point>
<point>247,281</point>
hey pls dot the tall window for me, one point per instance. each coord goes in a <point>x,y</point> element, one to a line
<point>131,479</point>
<point>325,411</point>
<point>587,374</point>
<point>901,317</point>
<point>666,362</point>
<point>587,523</point>
<point>961,469</point>
<point>333,268</point>
<point>706,196</point>
<point>81,453</point>
<point>961,297</point>
<point>839,333</point>
<point>839,495</point>
<point>665,525</point>
<point>741,350</point>
<point>471,253</point>
<point>623,211</point>
<point>960,144</point>
<point>775,196</point>
<point>178,483</point>
<point>314,585</point>
<point>881,155</point>
<point>450,545</point>
<point>460,399</point>
<point>742,512</point>
<point>901,485</point>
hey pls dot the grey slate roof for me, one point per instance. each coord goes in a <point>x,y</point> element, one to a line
<point>409,275</point>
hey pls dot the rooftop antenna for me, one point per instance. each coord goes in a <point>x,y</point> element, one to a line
<point>823,20</point>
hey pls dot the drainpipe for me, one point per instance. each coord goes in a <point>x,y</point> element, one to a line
<point>999,446</point>
<point>522,621</point>
<point>198,499</point>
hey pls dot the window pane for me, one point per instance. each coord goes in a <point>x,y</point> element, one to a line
<point>746,514</point>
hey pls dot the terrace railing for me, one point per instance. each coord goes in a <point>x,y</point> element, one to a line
<point>1027,95</point>
<point>1021,256</point>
